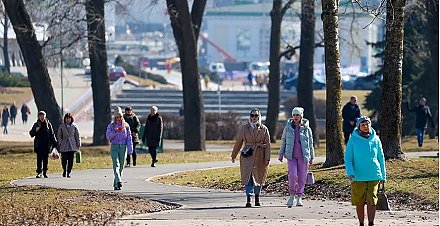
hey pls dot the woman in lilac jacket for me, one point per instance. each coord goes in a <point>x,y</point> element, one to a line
<point>119,135</point>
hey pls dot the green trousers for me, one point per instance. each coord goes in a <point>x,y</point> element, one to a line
<point>118,153</point>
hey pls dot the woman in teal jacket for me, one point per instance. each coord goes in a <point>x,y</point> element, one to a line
<point>365,167</point>
<point>297,148</point>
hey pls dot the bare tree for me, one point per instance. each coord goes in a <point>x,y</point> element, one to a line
<point>5,46</point>
<point>273,105</point>
<point>186,28</point>
<point>99,70</point>
<point>35,63</point>
<point>305,75</point>
<point>334,149</point>
<point>391,119</point>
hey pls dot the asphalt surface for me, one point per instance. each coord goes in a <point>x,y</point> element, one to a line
<point>218,207</point>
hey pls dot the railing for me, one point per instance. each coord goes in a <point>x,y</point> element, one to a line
<point>83,104</point>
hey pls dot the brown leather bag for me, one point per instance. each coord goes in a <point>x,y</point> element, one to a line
<point>382,200</point>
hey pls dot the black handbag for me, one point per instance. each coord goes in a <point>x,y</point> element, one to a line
<point>382,200</point>
<point>247,151</point>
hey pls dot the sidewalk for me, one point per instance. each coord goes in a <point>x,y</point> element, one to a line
<point>218,207</point>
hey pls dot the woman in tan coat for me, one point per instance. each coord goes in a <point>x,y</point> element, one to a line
<point>255,155</point>
<point>68,143</point>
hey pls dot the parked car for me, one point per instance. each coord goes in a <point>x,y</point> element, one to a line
<point>291,83</point>
<point>116,72</point>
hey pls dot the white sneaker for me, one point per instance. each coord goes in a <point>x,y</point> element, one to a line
<point>291,201</point>
<point>299,202</point>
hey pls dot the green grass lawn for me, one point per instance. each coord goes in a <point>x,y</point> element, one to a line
<point>31,205</point>
<point>411,185</point>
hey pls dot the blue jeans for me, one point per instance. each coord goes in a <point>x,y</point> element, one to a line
<point>420,133</point>
<point>250,188</point>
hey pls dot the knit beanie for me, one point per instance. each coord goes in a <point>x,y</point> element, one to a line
<point>361,119</point>
<point>298,111</point>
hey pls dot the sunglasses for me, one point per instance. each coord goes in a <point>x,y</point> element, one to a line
<point>254,115</point>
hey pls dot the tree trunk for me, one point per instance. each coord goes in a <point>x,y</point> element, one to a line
<point>273,105</point>
<point>35,64</point>
<point>334,149</point>
<point>432,18</point>
<point>305,76</point>
<point>391,119</point>
<point>6,44</point>
<point>185,32</point>
<point>99,70</point>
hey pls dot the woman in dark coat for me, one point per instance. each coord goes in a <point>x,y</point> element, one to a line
<point>153,133</point>
<point>5,118</point>
<point>44,142</point>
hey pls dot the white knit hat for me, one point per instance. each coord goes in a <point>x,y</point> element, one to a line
<point>298,111</point>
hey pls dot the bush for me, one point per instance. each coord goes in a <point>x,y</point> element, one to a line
<point>292,102</point>
<point>217,127</point>
<point>133,70</point>
<point>10,81</point>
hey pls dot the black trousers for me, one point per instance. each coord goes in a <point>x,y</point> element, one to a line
<point>134,155</point>
<point>42,159</point>
<point>153,152</point>
<point>347,136</point>
<point>67,161</point>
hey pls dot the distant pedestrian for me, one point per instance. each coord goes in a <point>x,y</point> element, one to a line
<point>119,135</point>
<point>181,111</point>
<point>350,112</point>
<point>207,80</point>
<point>260,81</point>
<point>135,126</point>
<point>250,79</point>
<point>13,111</point>
<point>69,142</point>
<point>153,133</point>
<point>423,114</point>
<point>364,151</point>
<point>44,142</point>
<point>297,148</point>
<point>5,119</point>
<point>24,113</point>
<point>254,157</point>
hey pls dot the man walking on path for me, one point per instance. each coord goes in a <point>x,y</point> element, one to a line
<point>350,113</point>
<point>24,113</point>
<point>13,112</point>
<point>135,125</point>
<point>422,115</point>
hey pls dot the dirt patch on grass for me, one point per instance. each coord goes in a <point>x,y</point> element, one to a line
<point>36,205</point>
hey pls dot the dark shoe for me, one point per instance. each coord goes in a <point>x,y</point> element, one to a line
<point>248,201</point>
<point>370,223</point>
<point>116,188</point>
<point>38,175</point>
<point>68,175</point>
<point>257,200</point>
<point>152,165</point>
<point>119,185</point>
<point>128,165</point>
<point>64,174</point>
<point>45,175</point>
<point>156,160</point>
<point>134,164</point>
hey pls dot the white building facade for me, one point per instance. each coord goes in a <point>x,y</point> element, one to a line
<point>243,31</point>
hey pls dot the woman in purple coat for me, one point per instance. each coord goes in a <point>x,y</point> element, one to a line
<point>119,135</point>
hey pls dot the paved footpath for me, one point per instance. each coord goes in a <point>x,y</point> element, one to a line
<point>218,207</point>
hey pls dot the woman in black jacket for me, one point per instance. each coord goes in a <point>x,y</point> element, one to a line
<point>153,133</point>
<point>44,142</point>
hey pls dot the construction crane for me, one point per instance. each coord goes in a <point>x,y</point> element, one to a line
<point>219,49</point>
